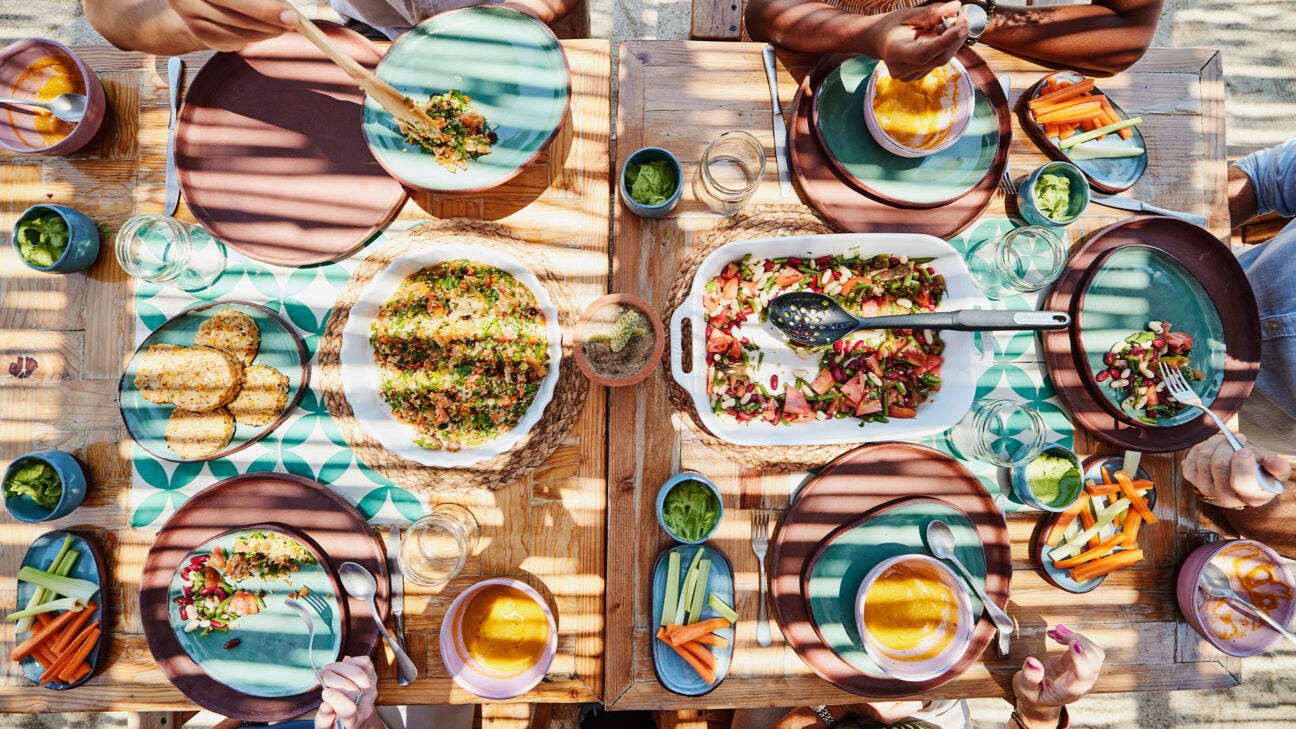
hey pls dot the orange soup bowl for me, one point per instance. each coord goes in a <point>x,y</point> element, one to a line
<point>498,638</point>
<point>1258,575</point>
<point>35,68</point>
<point>914,616</point>
<point>919,118</point>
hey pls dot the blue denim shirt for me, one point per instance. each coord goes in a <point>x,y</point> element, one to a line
<point>1271,268</point>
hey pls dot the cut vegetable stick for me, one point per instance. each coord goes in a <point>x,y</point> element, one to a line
<point>706,674</point>
<point>1106,565</point>
<point>1062,94</point>
<point>43,618</point>
<point>1131,529</point>
<point>24,648</point>
<point>83,670</point>
<point>1106,475</point>
<point>1100,551</point>
<point>1101,489</point>
<point>60,643</point>
<point>52,671</point>
<point>78,651</point>
<point>1053,109</point>
<point>1100,131</point>
<point>1050,84</point>
<point>689,632</point>
<point>1064,521</point>
<point>1075,545</point>
<point>1137,501</point>
<point>1081,109</point>
<point>1066,130</point>
<point>701,653</point>
<point>711,639</point>
<point>1052,130</point>
<point>671,599</point>
<point>44,655</point>
<point>1087,520</point>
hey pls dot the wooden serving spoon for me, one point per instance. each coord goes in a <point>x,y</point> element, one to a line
<point>380,91</point>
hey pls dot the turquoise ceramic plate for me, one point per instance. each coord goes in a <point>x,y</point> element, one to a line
<point>929,181</point>
<point>271,658</point>
<point>508,63</point>
<point>672,670</point>
<point>89,566</point>
<point>281,349</point>
<point>1137,284</point>
<point>1111,175</point>
<point>837,569</point>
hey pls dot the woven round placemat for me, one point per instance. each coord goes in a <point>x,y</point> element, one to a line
<point>529,452</point>
<point>761,221</point>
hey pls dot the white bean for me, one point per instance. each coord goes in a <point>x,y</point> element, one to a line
<point>1120,383</point>
<point>906,303</point>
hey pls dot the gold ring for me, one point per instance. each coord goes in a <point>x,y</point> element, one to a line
<point>1204,497</point>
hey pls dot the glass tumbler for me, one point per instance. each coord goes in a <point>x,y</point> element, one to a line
<point>169,252</point>
<point>1000,432</point>
<point>731,169</point>
<point>1022,260</point>
<point>435,548</point>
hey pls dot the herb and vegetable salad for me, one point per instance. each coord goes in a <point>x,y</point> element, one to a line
<point>42,239</point>
<point>690,510</point>
<point>459,133</point>
<point>872,375</point>
<point>461,348</point>
<point>1132,369</point>
<point>36,479</point>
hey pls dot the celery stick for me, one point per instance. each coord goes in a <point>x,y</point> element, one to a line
<point>82,590</point>
<point>67,603</point>
<point>672,587</point>
<point>40,594</point>
<point>1100,131</point>
<point>699,591</point>
<point>1075,546</point>
<point>722,607</point>
<point>690,579</point>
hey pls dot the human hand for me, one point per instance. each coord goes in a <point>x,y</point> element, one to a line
<point>914,41</point>
<point>1042,688</point>
<point>886,712</point>
<point>228,25</point>
<point>1228,479</point>
<point>351,688</point>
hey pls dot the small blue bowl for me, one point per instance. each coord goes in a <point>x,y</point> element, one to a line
<point>1078,201</point>
<point>652,154</point>
<point>69,471</point>
<point>671,483</point>
<point>1021,482</point>
<point>83,238</point>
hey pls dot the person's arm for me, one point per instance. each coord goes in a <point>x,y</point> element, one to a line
<point>911,41</point>
<point>1227,480</point>
<point>547,11</point>
<point>1042,689</point>
<point>1100,39</point>
<point>1263,182</point>
<point>172,27</point>
<point>350,691</point>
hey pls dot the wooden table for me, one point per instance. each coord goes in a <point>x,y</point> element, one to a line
<point>681,95</point>
<point>547,528</point>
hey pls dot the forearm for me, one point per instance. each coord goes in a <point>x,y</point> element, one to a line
<point>1099,39</point>
<point>812,27</point>
<point>1034,718</point>
<point>547,11</point>
<point>148,26</point>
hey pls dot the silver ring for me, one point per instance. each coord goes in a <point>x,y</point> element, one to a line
<point>359,696</point>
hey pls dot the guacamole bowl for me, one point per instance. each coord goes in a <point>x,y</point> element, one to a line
<point>1051,481</point>
<point>1033,195</point>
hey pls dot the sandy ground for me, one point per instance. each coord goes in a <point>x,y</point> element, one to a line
<point>1255,37</point>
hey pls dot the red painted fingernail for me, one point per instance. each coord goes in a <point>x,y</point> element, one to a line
<point>1062,630</point>
<point>1053,634</point>
<point>1034,664</point>
<point>1077,647</point>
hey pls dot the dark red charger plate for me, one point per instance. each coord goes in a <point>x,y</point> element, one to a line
<point>277,500</point>
<point>854,484</point>
<point>1217,269</point>
<point>849,209</point>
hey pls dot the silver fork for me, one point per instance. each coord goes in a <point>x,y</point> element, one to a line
<point>1006,186</point>
<point>309,618</point>
<point>1179,389</point>
<point>760,546</point>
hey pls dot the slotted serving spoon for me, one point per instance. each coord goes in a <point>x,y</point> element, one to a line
<point>817,320</point>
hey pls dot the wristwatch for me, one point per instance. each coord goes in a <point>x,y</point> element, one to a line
<point>989,7</point>
<point>824,715</point>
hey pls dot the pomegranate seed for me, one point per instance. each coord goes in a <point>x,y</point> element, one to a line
<point>232,643</point>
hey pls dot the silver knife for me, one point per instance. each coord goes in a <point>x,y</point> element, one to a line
<point>397,581</point>
<point>175,74</point>
<point>780,127</point>
<point>1121,202</point>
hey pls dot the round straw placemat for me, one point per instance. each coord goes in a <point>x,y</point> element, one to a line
<point>533,448</point>
<point>761,221</point>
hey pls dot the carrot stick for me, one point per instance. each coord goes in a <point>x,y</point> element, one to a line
<point>44,618</point>
<point>706,674</point>
<point>1073,112</point>
<point>23,649</point>
<point>81,671</point>
<point>60,644</point>
<point>1106,565</point>
<point>1100,551</point>
<point>1106,475</point>
<point>711,639</point>
<point>1131,529</point>
<point>701,653</point>
<point>81,647</point>
<point>1102,489</point>
<point>1087,521</point>
<point>1136,499</point>
<point>79,656</point>
<point>1050,84</point>
<point>52,671</point>
<point>43,655</point>
<point>1064,521</point>
<point>1066,130</point>
<point>689,632</point>
<point>1052,130</point>
<point>1062,94</point>
<point>1052,109</point>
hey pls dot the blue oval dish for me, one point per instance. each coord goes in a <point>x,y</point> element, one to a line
<point>89,566</point>
<point>83,239</point>
<point>70,474</point>
<point>674,672</point>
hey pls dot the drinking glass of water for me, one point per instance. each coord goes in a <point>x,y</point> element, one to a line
<point>169,252</point>
<point>731,169</point>
<point>436,547</point>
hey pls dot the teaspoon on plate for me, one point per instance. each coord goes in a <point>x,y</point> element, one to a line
<point>1215,582</point>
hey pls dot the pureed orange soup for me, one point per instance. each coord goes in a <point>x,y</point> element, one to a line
<point>43,80</point>
<point>910,612</point>
<point>504,630</point>
<point>918,114</point>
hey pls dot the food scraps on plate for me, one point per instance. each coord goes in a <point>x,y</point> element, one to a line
<point>682,627</point>
<point>1078,117</point>
<point>1133,368</point>
<point>459,133</point>
<point>60,634</point>
<point>1099,533</point>
<point>872,375</point>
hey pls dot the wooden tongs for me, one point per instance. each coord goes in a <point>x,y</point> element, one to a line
<point>380,91</point>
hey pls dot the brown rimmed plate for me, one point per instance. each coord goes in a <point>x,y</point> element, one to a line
<point>849,209</point>
<point>1221,276</point>
<point>854,484</point>
<point>271,156</point>
<point>297,504</point>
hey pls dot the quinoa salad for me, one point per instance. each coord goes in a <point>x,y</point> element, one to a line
<point>872,375</point>
<point>461,348</point>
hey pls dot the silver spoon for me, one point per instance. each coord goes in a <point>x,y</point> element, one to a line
<point>977,19</point>
<point>940,540</point>
<point>68,107</point>
<point>815,319</point>
<point>309,618</point>
<point>1215,582</point>
<point>359,583</point>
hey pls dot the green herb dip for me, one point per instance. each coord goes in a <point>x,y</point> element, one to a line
<point>1053,196</point>
<point>690,510</point>
<point>651,183</point>
<point>1052,478</point>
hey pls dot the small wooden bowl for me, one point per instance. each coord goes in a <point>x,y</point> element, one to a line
<point>658,334</point>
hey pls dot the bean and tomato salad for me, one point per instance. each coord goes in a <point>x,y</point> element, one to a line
<point>872,375</point>
<point>1132,368</point>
